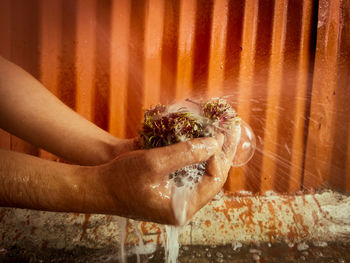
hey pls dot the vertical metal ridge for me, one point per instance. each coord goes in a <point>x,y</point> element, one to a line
<point>298,134</point>
<point>323,107</point>
<point>217,48</point>
<point>185,49</point>
<point>152,51</point>
<point>102,64</point>
<point>287,97</point>
<point>204,16</point>
<point>5,28</point>
<point>85,57</point>
<point>235,180</point>
<point>135,90</point>
<point>169,51</point>
<point>245,78</point>
<point>273,97</point>
<point>233,45</point>
<point>338,171</point>
<point>50,43</point>
<point>259,90</point>
<point>120,36</point>
<point>67,68</point>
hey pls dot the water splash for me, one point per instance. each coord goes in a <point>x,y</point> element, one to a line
<point>122,221</point>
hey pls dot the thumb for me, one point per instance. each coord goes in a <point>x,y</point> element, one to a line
<point>176,156</point>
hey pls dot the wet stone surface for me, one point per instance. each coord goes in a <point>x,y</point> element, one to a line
<point>275,253</point>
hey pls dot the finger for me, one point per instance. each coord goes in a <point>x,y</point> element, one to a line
<point>173,157</point>
<point>232,138</point>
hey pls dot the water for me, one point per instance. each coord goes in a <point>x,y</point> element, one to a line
<point>122,222</point>
<point>184,182</point>
<point>172,244</point>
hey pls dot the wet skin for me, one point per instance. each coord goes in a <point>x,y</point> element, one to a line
<point>110,176</point>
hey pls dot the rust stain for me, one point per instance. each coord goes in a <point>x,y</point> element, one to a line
<point>315,217</point>
<point>207,223</point>
<point>86,222</point>
<point>3,213</point>
<point>17,236</point>
<point>149,228</point>
<point>3,235</point>
<point>32,230</point>
<point>298,219</point>
<point>45,244</point>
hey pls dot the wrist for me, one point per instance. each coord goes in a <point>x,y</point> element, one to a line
<point>97,190</point>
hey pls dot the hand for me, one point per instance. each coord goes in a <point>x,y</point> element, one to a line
<point>136,183</point>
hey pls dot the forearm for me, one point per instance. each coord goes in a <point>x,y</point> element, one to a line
<point>29,111</point>
<point>31,182</point>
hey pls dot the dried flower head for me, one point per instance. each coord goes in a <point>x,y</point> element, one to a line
<point>219,113</point>
<point>161,127</point>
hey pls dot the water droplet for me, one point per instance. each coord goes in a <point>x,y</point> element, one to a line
<point>302,246</point>
<point>208,255</point>
<point>256,257</point>
<point>185,248</point>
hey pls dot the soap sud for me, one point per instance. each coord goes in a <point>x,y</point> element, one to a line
<point>302,246</point>
<point>291,244</point>
<point>236,245</point>
<point>255,251</point>
<point>320,244</point>
<point>256,257</point>
<point>148,248</point>
<point>188,176</point>
<point>218,196</point>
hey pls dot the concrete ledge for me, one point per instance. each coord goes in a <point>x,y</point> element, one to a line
<point>272,218</point>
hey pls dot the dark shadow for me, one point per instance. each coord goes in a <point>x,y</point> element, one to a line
<point>169,51</point>
<point>102,64</point>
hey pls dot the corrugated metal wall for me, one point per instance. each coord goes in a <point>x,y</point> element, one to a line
<point>110,59</point>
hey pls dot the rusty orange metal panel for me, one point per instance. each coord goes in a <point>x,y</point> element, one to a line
<point>50,43</point>
<point>217,48</point>
<point>169,51</point>
<point>260,79</point>
<point>273,96</point>
<point>136,67</point>
<point>110,59</point>
<point>85,56</point>
<point>245,81</point>
<point>119,66</point>
<point>328,141</point>
<point>153,45</point>
<point>185,49</point>
<point>67,74</point>
<point>101,90</point>
<point>302,94</point>
<point>5,28</point>
<point>235,180</point>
